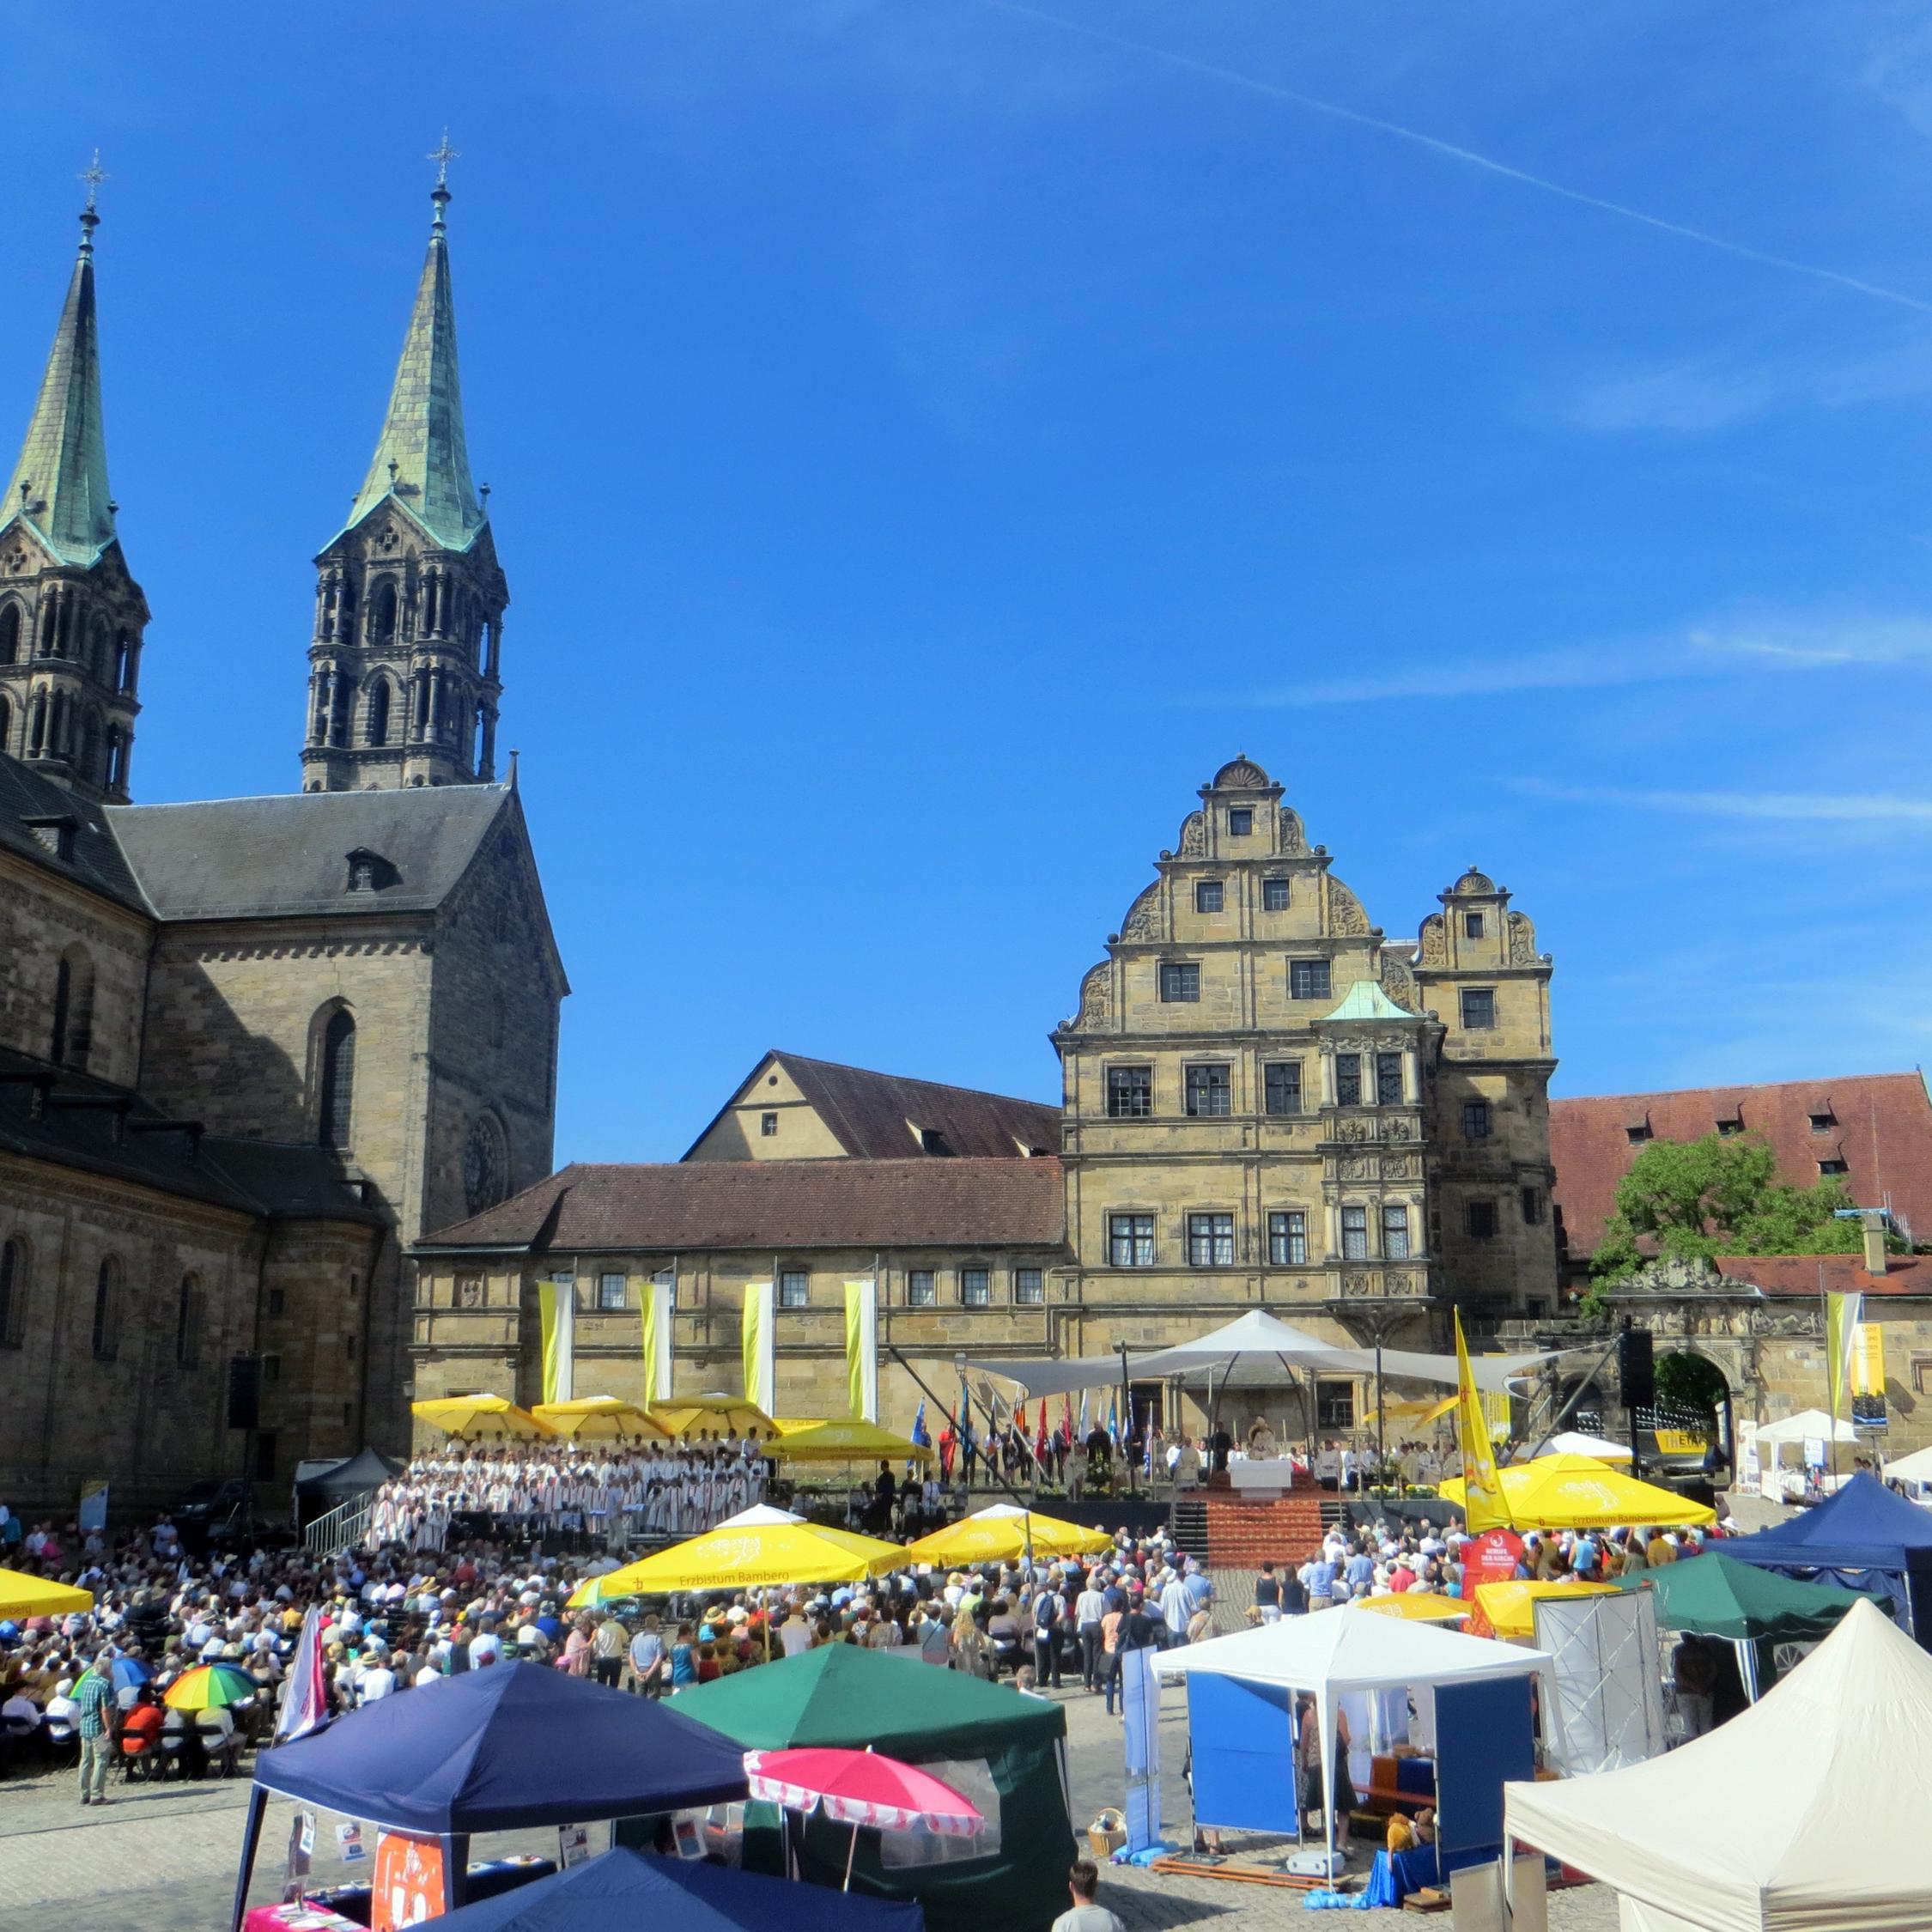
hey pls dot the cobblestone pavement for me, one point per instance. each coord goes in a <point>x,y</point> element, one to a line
<point>162,1857</point>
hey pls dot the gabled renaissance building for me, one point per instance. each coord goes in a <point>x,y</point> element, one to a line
<point>249,1048</point>
<point>1266,1101</point>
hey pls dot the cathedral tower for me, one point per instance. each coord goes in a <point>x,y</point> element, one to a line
<point>409,608</point>
<point>71,617</point>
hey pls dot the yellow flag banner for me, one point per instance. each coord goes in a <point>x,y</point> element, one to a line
<point>1842,1314</point>
<point>861,1350</point>
<point>658,1300</point>
<point>757,1342</point>
<point>1483,1506</point>
<point>556,1306</point>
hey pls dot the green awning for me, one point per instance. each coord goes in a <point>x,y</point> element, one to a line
<point>1715,1595</point>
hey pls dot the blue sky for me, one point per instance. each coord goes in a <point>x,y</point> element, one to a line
<point>928,436</point>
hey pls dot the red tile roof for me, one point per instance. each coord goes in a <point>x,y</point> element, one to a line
<point>770,1205</point>
<point>1881,1128</point>
<point>1844,1274</point>
<point>874,1116</point>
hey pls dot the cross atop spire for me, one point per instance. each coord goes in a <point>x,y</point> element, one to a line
<point>93,174</point>
<point>59,485</point>
<point>421,458</point>
<point>442,155</point>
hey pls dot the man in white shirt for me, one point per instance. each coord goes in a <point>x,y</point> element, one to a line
<point>1088,1607</point>
<point>376,1681</point>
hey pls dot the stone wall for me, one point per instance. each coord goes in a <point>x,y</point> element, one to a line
<point>41,916</point>
<point>137,1413</point>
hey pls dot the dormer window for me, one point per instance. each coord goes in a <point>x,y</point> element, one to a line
<point>1471,925</point>
<point>369,871</point>
<point>1822,1121</point>
<point>1241,821</point>
<point>56,831</point>
<point>1730,1127</point>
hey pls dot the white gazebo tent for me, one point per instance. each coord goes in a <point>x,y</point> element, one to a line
<point>1807,1425</point>
<point>1914,1468</point>
<point>1331,1653</point>
<point>1807,1810</point>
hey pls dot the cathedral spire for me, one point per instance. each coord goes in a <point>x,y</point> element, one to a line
<point>59,484</point>
<point>421,458</point>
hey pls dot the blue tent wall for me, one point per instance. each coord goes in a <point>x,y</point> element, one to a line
<point>1244,1741</point>
<point>1484,1737</point>
<point>1863,1537</point>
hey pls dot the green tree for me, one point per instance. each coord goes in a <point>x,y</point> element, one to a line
<point>1692,1200</point>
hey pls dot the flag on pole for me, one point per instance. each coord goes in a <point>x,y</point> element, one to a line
<point>1842,1314</point>
<point>919,1433</point>
<point>861,1350</point>
<point>1483,1505</point>
<point>1085,1431</point>
<point>661,1298</point>
<point>305,1698</point>
<point>1114,1421</point>
<point>557,1310</point>
<point>756,1341</point>
<point>1067,1420</point>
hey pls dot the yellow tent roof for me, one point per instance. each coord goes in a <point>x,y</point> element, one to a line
<point>723,1415</point>
<point>1414,1606</point>
<point>481,1415</point>
<point>1000,1534</point>
<point>1579,1492</point>
<point>740,1555</point>
<point>602,1417</point>
<point>21,1595</point>
<point>846,1439</point>
<point>1510,1605</point>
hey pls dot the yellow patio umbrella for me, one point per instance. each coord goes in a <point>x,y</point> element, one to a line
<point>21,1595</point>
<point>485,1417</point>
<point>845,1439</point>
<point>1414,1606</point>
<point>601,1418</point>
<point>723,1415</point>
<point>758,1547</point>
<point>1579,1492</point>
<point>1001,1534</point>
<point>1510,1606</point>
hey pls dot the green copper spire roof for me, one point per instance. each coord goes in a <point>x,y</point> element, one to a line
<point>422,458</point>
<point>59,486</point>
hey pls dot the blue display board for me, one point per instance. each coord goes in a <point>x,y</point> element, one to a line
<point>1483,1739</point>
<point>1244,1737</point>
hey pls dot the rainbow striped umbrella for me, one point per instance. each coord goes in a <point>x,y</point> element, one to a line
<point>210,1686</point>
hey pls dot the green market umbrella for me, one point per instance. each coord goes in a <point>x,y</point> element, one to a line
<point>1715,1595</point>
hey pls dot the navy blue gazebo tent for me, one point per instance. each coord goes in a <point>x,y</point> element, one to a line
<point>625,1889</point>
<point>1864,1537</point>
<point>493,1749</point>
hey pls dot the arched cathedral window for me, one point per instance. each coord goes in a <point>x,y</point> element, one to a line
<point>338,1077</point>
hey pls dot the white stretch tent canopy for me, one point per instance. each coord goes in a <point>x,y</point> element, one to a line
<point>1329,1654</point>
<point>1806,1812</point>
<point>1807,1425</point>
<point>1255,1350</point>
<point>1573,1442</point>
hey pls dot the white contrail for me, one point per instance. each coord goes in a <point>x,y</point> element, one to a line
<point>1313,105</point>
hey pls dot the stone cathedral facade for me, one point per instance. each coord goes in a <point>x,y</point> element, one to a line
<point>252,1048</point>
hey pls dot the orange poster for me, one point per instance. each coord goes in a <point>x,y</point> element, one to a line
<point>407,1883</point>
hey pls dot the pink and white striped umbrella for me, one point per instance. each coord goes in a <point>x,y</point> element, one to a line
<point>861,1787</point>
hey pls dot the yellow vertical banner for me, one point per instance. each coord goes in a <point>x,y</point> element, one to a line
<point>1483,1506</point>
<point>757,1345</point>
<point>861,1350</point>
<point>556,1306</point>
<point>659,1304</point>
<point>1842,1314</point>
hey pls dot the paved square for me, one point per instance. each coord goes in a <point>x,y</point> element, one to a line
<point>162,1857</point>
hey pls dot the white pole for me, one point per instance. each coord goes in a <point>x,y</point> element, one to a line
<point>1328,1744</point>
